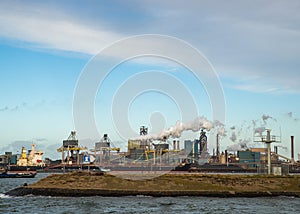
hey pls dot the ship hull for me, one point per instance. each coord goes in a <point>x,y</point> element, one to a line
<point>18,175</point>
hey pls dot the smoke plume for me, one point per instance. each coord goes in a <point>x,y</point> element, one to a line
<point>266,117</point>
<point>233,137</point>
<point>291,116</point>
<point>261,126</point>
<point>176,130</point>
<point>242,145</point>
<point>259,130</point>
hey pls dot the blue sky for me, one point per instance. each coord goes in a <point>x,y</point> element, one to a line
<point>254,47</point>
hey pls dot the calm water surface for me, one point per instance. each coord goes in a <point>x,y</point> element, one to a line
<point>139,204</point>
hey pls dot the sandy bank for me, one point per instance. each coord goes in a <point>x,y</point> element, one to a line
<point>85,184</point>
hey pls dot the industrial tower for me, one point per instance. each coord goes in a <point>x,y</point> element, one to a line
<point>268,140</point>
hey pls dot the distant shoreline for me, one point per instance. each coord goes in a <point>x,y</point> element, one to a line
<point>169,185</point>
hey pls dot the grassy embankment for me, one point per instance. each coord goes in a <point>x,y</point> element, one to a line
<point>173,182</point>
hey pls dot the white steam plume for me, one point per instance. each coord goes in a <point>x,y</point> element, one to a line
<point>176,130</point>
<point>242,145</point>
<point>266,117</point>
<point>259,130</point>
<point>238,146</point>
<point>291,116</point>
<point>233,137</point>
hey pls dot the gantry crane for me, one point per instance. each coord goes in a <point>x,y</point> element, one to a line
<point>70,146</point>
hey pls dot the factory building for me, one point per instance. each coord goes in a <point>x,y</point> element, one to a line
<point>196,150</point>
<point>8,158</point>
<point>249,158</point>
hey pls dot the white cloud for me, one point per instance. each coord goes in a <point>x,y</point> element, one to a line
<point>269,80</point>
<point>49,29</point>
<point>254,44</point>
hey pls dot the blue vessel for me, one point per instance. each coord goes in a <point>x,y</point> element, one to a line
<point>18,175</point>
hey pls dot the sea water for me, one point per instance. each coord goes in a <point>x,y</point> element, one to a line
<point>138,204</point>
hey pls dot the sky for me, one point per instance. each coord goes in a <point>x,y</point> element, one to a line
<point>46,47</point>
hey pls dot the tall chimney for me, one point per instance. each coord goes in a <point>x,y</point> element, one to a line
<point>174,144</point>
<point>292,148</point>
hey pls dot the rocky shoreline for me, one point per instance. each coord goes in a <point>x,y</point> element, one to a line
<point>59,192</point>
<point>169,185</point>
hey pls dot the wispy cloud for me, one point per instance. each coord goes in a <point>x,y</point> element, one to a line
<point>16,146</point>
<point>40,139</point>
<point>256,45</point>
<point>263,81</point>
<point>4,109</point>
<point>51,29</point>
<point>291,116</point>
<point>23,105</point>
<point>13,108</point>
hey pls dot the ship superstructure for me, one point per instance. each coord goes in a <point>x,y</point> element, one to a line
<point>33,158</point>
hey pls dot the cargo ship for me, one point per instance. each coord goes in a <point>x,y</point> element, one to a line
<point>28,162</point>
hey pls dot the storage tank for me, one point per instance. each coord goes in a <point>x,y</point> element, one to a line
<point>223,158</point>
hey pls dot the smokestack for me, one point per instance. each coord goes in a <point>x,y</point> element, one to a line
<point>276,149</point>
<point>174,144</point>
<point>218,148</point>
<point>292,148</point>
<point>178,145</point>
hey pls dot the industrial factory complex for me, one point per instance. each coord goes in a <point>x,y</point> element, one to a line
<point>146,155</point>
